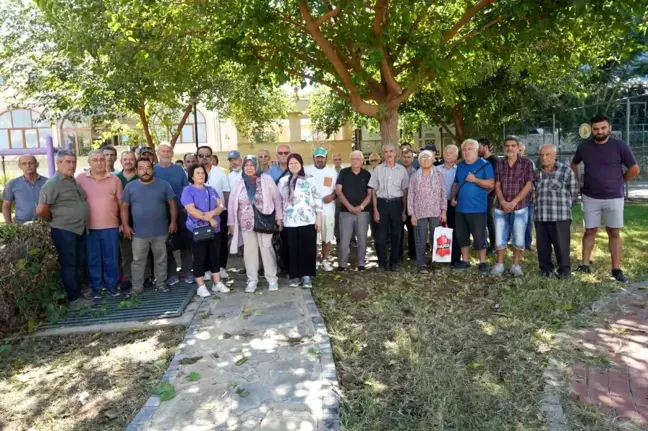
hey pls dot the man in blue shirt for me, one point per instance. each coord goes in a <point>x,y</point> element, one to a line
<point>474,179</point>
<point>174,175</point>
<point>24,191</point>
<point>283,151</point>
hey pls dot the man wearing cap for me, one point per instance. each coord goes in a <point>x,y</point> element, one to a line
<point>24,191</point>
<point>144,152</point>
<point>326,178</point>
<point>235,165</point>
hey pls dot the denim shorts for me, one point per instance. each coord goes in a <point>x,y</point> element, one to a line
<point>509,225</point>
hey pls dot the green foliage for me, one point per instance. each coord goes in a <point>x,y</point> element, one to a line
<point>166,391</point>
<point>30,291</point>
<point>193,376</point>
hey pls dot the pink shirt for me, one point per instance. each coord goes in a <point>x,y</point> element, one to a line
<point>103,198</point>
<point>426,196</point>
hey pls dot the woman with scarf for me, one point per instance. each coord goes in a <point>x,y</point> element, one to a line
<point>302,219</point>
<point>258,190</point>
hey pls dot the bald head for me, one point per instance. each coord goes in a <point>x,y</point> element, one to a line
<point>548,155</point>
<point>28,164</point>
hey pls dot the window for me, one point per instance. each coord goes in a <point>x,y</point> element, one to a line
<point>188,133</point>
<point>23,128</point>
<point>78,135</point>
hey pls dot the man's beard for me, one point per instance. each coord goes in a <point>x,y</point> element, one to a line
<point>601,137</point>
<point>146,179</point>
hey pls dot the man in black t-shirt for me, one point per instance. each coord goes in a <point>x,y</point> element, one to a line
<point>485,148</point>
<point>354,194</point>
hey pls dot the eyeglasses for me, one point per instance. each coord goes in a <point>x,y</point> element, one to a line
<point>204,155</point>
<point>374,161</point>
<point>283,153</point>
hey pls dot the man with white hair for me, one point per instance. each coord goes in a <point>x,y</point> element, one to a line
<point>449,171</point>
<point>276,172</point>
<point>264,160</point>
<point>174,175</point>
<point>389,182</point>
<point>474,179</point>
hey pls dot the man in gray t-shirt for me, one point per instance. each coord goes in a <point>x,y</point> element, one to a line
<point>23,191</point>
<point>153,207</point>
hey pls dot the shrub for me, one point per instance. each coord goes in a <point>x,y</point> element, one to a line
<point>30,290</point>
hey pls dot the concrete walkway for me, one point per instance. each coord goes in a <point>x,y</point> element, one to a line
<point>264,362</point>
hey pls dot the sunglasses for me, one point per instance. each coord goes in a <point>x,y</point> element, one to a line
<point>374,161</point>
<point>204,155</point>
<point>282,153</point>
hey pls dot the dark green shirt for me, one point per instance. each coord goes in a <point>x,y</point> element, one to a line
<point>68,203</point>
<point>123,179</point>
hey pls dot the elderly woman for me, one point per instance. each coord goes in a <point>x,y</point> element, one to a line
<point>257,190</point>
<point>427,204</point>
<point>204,207</point>
<point>302,216</point>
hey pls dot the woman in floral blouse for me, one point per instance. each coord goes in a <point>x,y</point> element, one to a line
<point>259,190</point>
<point>302,219</point>
<point>427,204</point>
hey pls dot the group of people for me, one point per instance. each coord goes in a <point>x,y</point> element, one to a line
<point>131,224</point>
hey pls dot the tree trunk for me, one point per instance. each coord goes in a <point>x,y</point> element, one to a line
<point>145,126</point>
<point>183,120</point>
<point>389,128</point>
<point>457,115</point>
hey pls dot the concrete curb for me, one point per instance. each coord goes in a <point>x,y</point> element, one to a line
<point>554,387</point>
<point>330,390</point>
<point>150,407</point>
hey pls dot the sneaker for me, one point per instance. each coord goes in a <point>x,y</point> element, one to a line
<point>341,269</point>
<point>461,266</point>
<point>125,285</point>
<point>114,294</point>
<point>395,268</point>
<point>136,291</point>
<point>220,287</point>
<point>585,269</point>
<point>483,268</point>
<point>190,279</point>
<point>164,288</point>
<point>619,276</point>
<point>173,280</point>
<point>382,268</point>
<point>96,296</point>
<point>294,282</point>
<point>273,287</point>
<point>423,270</point>
<point>546,274</point>
<point>202,291</point>
<point>516,270</point>
<point>498,269</point>
<point>251,287</point>
<point>307,282</point>
<point>327,266</point>
<point>223,274</point>
<point>361,268</point>
<point>78,304</point>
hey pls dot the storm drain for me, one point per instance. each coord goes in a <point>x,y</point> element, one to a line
<point>149,305</point>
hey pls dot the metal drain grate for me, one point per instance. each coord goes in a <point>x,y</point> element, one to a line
<point>151,304</point>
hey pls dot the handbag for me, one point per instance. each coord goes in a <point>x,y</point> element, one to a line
<point>204,233</point>
<point>264,223</point>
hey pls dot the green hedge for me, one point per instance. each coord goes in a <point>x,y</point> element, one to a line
<point>30,288</point>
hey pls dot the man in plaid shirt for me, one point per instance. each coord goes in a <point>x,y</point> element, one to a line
<point>556,193</point>
<point>513,182</point>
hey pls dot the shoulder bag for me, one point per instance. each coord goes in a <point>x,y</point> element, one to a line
<point>205,233</point>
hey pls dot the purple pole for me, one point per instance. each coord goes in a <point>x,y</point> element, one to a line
<point>49,147</point>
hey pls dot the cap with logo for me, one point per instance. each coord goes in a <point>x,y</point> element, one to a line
<point>233,155</point>
<point>320,152</point>
<point>143,150</point>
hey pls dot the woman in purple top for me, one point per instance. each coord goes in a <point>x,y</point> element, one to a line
<point>204,206</point>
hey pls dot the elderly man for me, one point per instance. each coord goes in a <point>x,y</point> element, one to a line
<point>326,178</point>
<point>153,207</point>
<point>104,191</point>
<point>389,182</point>
<point>264,160</point>
<point>374,161</point>
<point>277,171</point>
<point>556,193</point>
<point>64,204</point>
<point>337,162</point>
<point>110,153</point>
<point>485,152</point>
<point>24,191</point>
<point>513,183</point>
<point>217,178</point>
<point>189,160</point>
<point>235,167</point>
<point>474,179</point>
<point>449,171</point>
<point>354,194</point>
<point>177,178</point>
<point>604,159</point>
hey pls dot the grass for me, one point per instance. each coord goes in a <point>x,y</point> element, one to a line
<point>453,351</point>
<point>43,380</point>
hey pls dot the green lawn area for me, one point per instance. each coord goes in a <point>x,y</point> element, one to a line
<point>458,351</point>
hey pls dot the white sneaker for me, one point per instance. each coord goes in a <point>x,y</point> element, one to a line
<point>202,291</point>
<point>251,287</point>
<point>223,274</point>
<point>220,287</point>
<point>498,269</point>
<point>516,270</point>
<point>273,287</point>
<point>327,266</point>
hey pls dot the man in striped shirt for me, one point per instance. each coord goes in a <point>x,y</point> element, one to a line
<point>556,193</point>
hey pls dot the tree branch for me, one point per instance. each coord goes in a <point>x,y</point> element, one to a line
<point>481,30</point>
<point>382,7</point>
<point>183,120</point>
<point>327,16</point>
<point>442,123</point>
<point>465,19</point>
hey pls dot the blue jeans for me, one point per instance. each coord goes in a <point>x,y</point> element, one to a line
<point>510,225</point>
<point>528,235</point>
<point>70,247</point>
<point>103,259</point>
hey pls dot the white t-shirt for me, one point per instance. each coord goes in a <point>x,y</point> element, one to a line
<point>234,177</point>
<point>218,180</point>
<point>326,179</point>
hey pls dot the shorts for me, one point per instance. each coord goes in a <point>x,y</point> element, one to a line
<point>509,225</point>
<point>474,224</point>
<point>611,209</point>
<point>327,233</point>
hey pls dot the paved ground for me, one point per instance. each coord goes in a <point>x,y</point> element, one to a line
<point>264,363</point>
<point>620,385</point>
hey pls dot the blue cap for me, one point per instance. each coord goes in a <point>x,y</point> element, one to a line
<point>233,155</point>
<point>320,152</point>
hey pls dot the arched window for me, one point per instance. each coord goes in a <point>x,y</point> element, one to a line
<point>78,135</point>
<point>23,128</point>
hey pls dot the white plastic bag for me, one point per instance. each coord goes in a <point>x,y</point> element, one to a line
<point>442,251</point>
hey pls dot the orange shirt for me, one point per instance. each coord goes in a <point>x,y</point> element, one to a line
<point>104,196</point>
